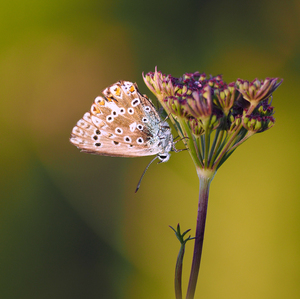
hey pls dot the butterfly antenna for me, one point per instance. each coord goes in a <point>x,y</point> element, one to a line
<point>139,183</point>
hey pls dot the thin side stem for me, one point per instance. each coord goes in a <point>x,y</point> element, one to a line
<point>190,141</point>
<point>218,146</point>
<point>213,146</point>
<point>178,272</point>
<point>229,143</point>
<point>199,156</point>
<point>200,228</point>
<point>207,144</point>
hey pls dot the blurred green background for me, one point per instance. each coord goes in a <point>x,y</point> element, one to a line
<point>71,225</point>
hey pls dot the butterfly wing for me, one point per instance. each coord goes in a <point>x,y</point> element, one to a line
<point>124,123</point>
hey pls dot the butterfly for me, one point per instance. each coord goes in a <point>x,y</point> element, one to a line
<point>123,123</point>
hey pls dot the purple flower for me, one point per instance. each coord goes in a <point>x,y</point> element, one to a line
<point>212,116</point>
<point>257,90</point>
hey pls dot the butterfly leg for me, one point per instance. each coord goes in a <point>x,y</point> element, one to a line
<point>178,150</point>
<point>174,149</point>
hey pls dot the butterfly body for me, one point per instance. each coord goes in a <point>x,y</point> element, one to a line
<point>123,123</point>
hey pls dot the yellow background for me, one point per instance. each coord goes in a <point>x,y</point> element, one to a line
<point>70,223</point>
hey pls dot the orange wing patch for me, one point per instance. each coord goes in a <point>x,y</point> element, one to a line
<point>95,109</point>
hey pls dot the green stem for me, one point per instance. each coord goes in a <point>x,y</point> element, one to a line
<point>207,144</point>
<point>190,141</point>
<point>213,146</point>
<point>178,272</point>
<point>198,152</point>
<point>229,143</point>
<point>201,218</point>
<point>216,146</point>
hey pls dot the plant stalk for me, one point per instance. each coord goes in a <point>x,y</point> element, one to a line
<point>200,228</point>
<point>178,273</point>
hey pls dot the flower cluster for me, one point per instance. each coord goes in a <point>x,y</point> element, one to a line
<point>212,116</point>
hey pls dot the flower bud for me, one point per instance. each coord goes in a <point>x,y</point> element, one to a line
<point>196,126</point>
<point>257,91</point>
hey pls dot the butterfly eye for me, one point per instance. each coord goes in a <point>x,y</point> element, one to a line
<point>164,157</point>
<point>130,110</point>
<point>98,144</point>
<point>118,130</point>
<point>122,111</point>
<point>109,118</point>
<point>147,109</point>
<point>140,127</point>
<point>95,137</point>
<point>135,102</point>
<point>144,119</point>
<point>127,139</point>
<point>114,113</point>
<point>140,140</point>
<point>98,132</point>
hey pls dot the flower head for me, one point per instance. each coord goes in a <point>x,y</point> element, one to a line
<point>261,119</point>
<point>161,85</point>
<point>226,97</point>
<point>257,90</point>
<point>212,116</point>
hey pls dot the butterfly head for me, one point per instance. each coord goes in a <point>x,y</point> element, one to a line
<point>164,157</point>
